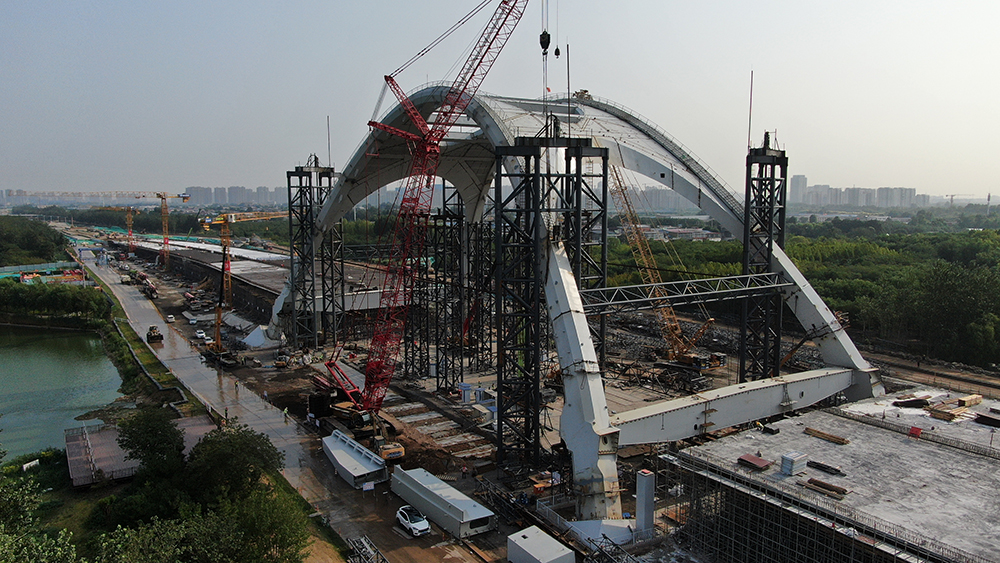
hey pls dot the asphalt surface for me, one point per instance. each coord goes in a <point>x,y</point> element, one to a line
<point>349,512</point>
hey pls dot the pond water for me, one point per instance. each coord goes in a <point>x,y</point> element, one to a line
<point>47,378</point>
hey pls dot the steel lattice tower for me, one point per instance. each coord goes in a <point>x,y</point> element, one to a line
<point>308,187</point>
<point>763,228</point>
<point>542,199</point>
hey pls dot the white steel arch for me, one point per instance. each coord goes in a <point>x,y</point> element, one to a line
<point>634,143</point>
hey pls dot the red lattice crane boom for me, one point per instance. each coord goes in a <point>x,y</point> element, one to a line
<point>408,239</point>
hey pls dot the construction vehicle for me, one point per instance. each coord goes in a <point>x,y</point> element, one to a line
<point>154,335</point>
<point>226,283</point>
<point>678,350</point>
<point>408,238</point>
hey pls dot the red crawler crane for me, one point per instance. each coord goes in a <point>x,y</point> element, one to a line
<point>409,237</point>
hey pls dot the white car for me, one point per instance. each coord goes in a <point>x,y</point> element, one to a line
<point>170,318</point>
<point>209,340</point>
<point>199,334</point>
<point>413,521</point>
<point>192,321</point>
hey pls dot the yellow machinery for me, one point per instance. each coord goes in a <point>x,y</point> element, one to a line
<point>226,287</point>
<point>678,347</point>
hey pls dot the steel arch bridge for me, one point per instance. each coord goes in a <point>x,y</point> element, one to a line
<point>634,143</point>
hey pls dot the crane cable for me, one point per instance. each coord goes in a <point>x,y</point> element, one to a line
<point>443,36</point>
<point>424,51</point>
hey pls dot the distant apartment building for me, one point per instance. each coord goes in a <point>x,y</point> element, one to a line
<point>797,189</point>
<point>860,197</point>
<point>236,195</point>
<point>263,195</point>
<point>895,197</point>
<point>200,196</point>
<point>221,197</point>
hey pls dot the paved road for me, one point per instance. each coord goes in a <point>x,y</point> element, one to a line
<point>351,513</point>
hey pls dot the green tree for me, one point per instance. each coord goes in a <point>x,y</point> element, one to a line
<point>21,539</point>
<point>229,462</point>
<point>151,437</point>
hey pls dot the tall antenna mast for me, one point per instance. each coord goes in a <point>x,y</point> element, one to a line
<point>750,116</point>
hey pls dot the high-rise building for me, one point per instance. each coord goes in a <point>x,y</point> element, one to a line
<point>220,196</point>
<point>237,195</point>
<point>797,189</point>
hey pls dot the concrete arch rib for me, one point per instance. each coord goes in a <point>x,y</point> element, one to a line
<point>634,143</point>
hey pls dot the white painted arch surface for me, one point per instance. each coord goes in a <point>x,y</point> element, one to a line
<point>467,162</point>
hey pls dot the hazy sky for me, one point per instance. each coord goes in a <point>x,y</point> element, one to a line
<point>126,95</point>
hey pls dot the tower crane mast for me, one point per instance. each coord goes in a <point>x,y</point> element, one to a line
<point>670,327</point>
<point>408,239</point>
<point>226,287</point>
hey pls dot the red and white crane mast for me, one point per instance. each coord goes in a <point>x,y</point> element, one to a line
<point>409,237</point>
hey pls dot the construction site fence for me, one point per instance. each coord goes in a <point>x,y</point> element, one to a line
<point>928,435</point>
<point>840,517</point>
<point>47,267</point>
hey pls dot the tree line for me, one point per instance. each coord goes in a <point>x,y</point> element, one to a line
<point>24,241</point>
<point>934,294</point>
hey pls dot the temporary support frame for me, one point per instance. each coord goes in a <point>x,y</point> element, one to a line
<point>308,187</point>
<point>763,228</point>
<point>539,198</point>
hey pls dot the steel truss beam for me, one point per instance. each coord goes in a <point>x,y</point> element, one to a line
<point>625,299</point>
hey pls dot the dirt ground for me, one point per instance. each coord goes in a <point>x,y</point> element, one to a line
<point>290,387</point>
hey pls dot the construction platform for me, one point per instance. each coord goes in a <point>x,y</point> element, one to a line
<point>930,483</point>
<point>93,453</point>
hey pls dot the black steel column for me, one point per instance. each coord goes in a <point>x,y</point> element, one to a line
<point>539,201</point>
<point>307,187</point>
<point>763,227</point>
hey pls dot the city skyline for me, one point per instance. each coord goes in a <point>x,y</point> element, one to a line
<point>126,96</point>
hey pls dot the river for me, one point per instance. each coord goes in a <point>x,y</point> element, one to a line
<point>47,379</point>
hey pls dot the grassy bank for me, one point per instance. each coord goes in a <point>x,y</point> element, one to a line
<point>148,361</point>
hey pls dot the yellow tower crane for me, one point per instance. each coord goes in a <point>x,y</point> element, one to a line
<point>226,285</point>
<point>678,347</point>
<point>129,212</point>
<point>165,217</point>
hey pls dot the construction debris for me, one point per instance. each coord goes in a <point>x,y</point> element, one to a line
<point>753,462</point>
<point>825,436</point>
<point>826,468</point>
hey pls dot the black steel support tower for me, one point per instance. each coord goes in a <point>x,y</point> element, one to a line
<point>308,187</point>
<point>763,228</point>
<point>542,198</point>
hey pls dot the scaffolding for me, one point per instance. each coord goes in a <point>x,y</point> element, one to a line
<point>731,515</point>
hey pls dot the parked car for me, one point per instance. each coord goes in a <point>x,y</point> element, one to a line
<point>209,340</point>
<point>199,334</point>
<point>413,521</point>
<point>192,321</point>
<point>170,318</point>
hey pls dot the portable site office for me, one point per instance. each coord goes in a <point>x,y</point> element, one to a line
<point>441,503</point>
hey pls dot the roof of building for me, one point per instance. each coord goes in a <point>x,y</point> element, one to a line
<point>944,485</point>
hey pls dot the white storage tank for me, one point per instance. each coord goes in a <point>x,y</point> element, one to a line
<point>532,545</point>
